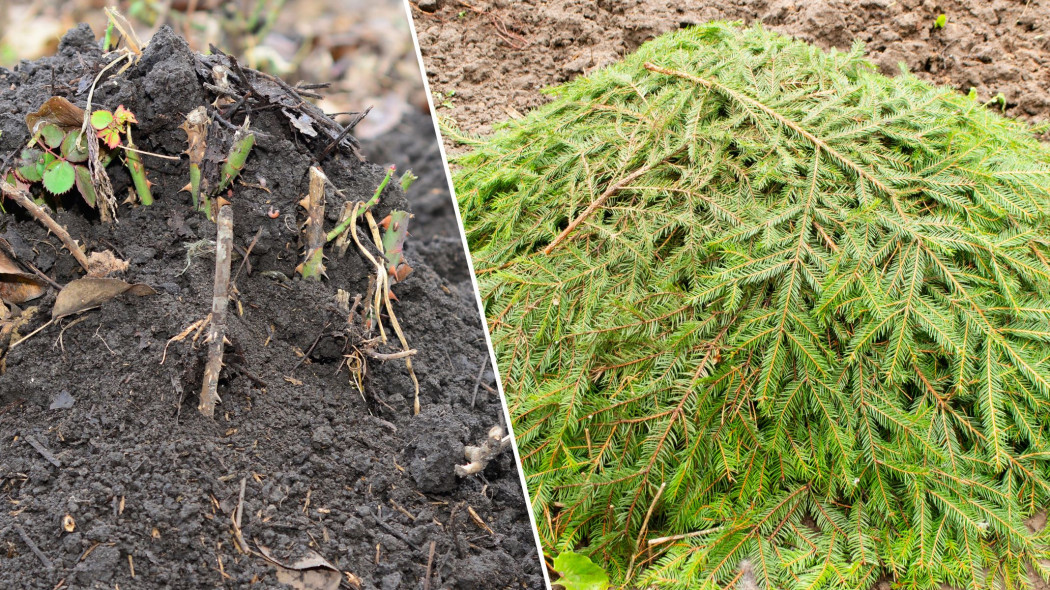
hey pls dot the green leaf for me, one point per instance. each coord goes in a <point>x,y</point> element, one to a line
<point>940,22</point>
<point>110,137</point>
<point>71,151</point>
<point>578,572</point>
<point>33,169</point>
<point>51,135</point>
<point>59,177</point>
<point>101,119</point>
<point>85,185</point>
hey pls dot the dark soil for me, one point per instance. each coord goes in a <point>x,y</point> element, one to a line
<point>495,59</point>
<point>151,483</point>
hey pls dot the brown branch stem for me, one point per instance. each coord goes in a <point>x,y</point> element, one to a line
<point>219,303</point>
<point>26,202</point>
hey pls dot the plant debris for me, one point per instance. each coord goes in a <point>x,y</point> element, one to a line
<point>767,305</point>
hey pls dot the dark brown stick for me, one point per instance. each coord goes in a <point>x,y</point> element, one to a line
<point>34,548</point>
<point>26,202</point>
<point>219,304</point>
<point>430,565</point>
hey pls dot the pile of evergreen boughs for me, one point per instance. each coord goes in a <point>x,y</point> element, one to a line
<point>784,310</point>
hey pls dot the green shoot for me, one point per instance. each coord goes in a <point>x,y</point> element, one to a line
<point>345,224</point>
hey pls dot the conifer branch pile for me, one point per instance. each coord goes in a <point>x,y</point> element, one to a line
<point>812,300</point>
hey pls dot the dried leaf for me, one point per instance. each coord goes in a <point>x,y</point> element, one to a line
<point>91,292</point>
<point>312,572</point>
<point>105,263</point>
<point>17,286</point>
<point>196,128</point>
<point>57,111</point>
<point>304,123</point>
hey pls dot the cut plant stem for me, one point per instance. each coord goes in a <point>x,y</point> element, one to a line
<point>312,266</point>
<point>345,224</point>
<point>243,141</point>
<point>219,303</point>
<point>26,202</point>
<point>138,173</point>
<point>394,233</point>
<point>384,280</point>
<point>196,128</point>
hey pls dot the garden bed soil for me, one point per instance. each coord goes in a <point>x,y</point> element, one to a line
<point>150,483</point>
<point>487,60</point>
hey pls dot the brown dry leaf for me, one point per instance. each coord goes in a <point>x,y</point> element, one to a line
<point>304,123</point>
<point>17,286</point>
<point>59,111</point>
<point>105,263</point>
<point>312,572</point>
<point>196,128</point>
<point>91,292</point>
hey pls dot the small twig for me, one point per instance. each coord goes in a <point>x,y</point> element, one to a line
<point>659,540</point>
<point>645,525</point>
<point>430,565</point>
<point>155,155</point>
<point>34,548</point>
<point>306,355</point>
<point>610,191</point>
<point>30,335</point>
<point>46,454</point>
<point>244,260</point>
<point>397,534</point>
<point>237,534</point>
<point>342,134</point>
<point>219,304</point>
<point>477,384</point>
<point>389,356</point>
<point>251,376</point>
<point>26,202</point>
<point>14,256</point>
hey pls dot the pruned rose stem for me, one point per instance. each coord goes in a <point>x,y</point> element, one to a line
<point>312,266</point>
<point>345,224</point>
<point>138,173</point>
<point>219,303</point>
<point>243,142</point>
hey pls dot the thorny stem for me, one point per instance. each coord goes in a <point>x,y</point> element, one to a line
<point>26,202</point>
<point>345,224</point>
<point>384,280</point>
<point>243,141</point>
<point>394,234</point>
<point>138,173</point>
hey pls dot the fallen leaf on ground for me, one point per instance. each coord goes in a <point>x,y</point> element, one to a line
<point>312,572</point>
<point>58,111</point>
<point>578,572</point>
<point>91,292</point>
<point>17,286</point>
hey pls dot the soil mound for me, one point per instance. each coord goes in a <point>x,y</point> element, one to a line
<point>96,428</point>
